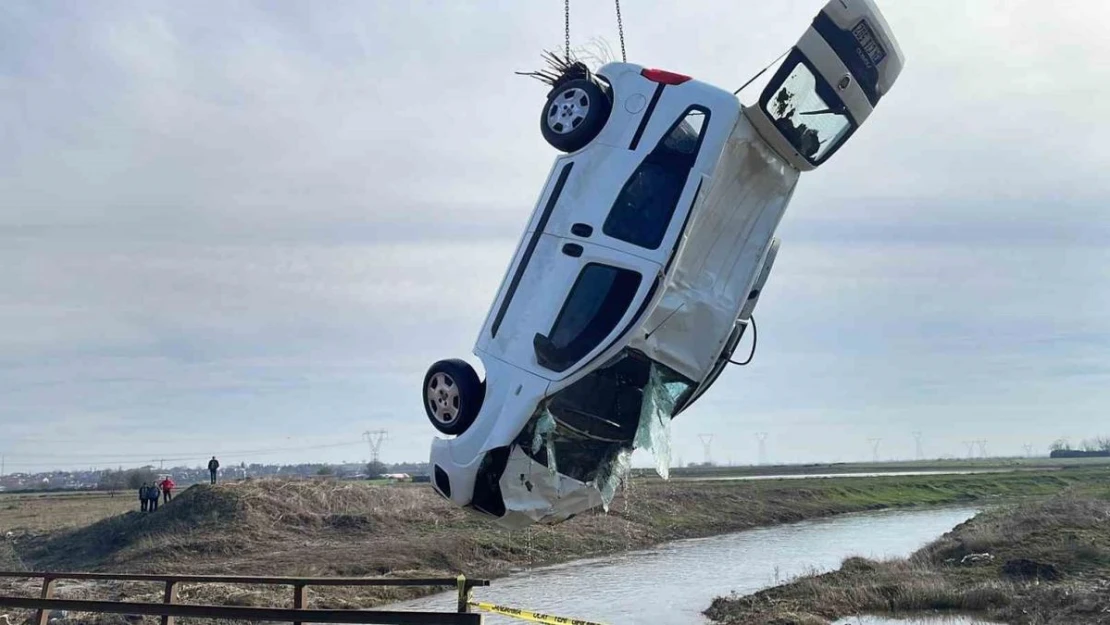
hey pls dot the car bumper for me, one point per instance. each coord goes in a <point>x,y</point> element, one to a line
<point>534,493</point>
<point>527,492</point>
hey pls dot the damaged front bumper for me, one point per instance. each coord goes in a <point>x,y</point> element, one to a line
<point>514,489</point>
<point>534,493</point>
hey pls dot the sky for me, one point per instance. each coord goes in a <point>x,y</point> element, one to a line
<point>247,228</point>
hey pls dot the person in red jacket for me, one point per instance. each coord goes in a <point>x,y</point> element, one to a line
<point>167,489</point>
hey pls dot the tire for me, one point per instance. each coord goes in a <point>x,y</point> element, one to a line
<point>574,115</point>
<point>453,396</point>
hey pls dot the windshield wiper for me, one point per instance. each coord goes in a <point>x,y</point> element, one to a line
<point>837,111</point>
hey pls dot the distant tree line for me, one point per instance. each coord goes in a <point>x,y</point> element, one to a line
<point>130,479</point>
<point>1089,448</point>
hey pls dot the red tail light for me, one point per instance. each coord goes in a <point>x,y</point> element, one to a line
<point>663,76</point>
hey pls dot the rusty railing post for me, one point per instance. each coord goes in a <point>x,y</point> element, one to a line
<point>464,594</point>
<point>43,615</point>
<point>299,599</point>
<point>169,598</point>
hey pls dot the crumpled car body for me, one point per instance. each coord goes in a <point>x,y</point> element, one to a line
<point>641,265</point>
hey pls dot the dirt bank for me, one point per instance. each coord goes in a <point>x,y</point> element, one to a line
<point>340,528</point>
<point>1045,562</point>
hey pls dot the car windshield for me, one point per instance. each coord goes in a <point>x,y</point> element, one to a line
<point>808,114</point>
<point>581,428</point>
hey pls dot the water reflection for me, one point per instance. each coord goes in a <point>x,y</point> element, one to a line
<point>674,582</point>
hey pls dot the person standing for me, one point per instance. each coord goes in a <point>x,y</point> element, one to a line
<point>213,466</point>
<point>167,489</point>
<point>143,497</point>
<point>153,493</point>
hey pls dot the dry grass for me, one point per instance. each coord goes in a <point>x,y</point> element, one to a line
<point>327,528</point>
<point>1051,564</point>
<point>35,513</point>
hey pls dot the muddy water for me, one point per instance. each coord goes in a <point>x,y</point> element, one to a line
<point>674,582</point>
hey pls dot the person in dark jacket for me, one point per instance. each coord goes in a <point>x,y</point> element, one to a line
<point>143,498</point>
<point>153,494</point>
<point>213,466</point>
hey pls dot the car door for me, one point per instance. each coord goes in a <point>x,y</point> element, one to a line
<point>571,303</point>
<point>636,198</point>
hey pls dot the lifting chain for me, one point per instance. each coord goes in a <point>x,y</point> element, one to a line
<point>620,29</point>
<point>566,29</point>
<point>566,21</point>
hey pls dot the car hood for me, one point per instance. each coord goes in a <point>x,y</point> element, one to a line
<point>734,219</point>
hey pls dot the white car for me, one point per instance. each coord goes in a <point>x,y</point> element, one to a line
<point>640,267</point>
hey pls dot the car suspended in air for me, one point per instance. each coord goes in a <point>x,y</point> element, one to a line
<point>640,267</point>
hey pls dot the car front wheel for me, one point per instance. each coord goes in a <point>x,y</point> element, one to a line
<point>452,395</point>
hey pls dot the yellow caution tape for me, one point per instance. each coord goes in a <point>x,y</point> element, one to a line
<point>525,615</point>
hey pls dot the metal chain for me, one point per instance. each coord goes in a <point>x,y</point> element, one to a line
<point>566,21</point>
<point>620,29</point>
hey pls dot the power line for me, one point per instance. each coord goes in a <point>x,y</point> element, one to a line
<point>970,449</point>
<point>874,442</point>
<point>982,443</point>
<point>762,437</point>
<point>375,439</point>
<point>706,442</point>
<point>189,455</point>
<point>134,461</point>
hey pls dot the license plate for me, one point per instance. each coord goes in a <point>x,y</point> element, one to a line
<point>867,41</point>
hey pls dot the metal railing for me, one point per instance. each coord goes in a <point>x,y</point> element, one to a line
<point>169,609</point>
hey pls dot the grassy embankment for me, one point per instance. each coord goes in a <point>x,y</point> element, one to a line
<point>1049,563</point>
<point>339,528</point>
<point>938,464</point>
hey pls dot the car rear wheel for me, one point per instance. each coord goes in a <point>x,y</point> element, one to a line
<point>452,395</point>
<point>574,115</point>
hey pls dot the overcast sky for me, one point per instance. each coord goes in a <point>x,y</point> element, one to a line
<point>230,226</point>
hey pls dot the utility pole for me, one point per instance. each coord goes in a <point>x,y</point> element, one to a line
<point>970,449</point>
<point>706,441</point>
<point>375,438</point>
<point>762,436</point>
<point>874,442</point>
<point>1028,450</point>
<point>920,455</point>
<point>982,443</point>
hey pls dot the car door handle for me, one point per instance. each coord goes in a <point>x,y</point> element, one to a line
<point>572,249</point>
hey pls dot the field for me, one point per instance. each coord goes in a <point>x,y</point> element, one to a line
<point>953,464</point>
<point>57,511</point>
<point>318,528</point>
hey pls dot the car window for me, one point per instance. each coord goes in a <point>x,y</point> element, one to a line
<point>595,305</point>
<point>807,112</point>
<point>643,210</point>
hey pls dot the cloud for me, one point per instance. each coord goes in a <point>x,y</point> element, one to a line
<point>231,225</point>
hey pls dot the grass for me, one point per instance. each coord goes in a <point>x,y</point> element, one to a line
<point>21,513</point>
<point>944,464</point>
<point>1049,563</point>
<point>321,528</point>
